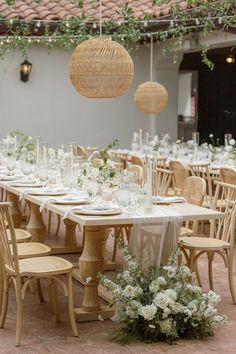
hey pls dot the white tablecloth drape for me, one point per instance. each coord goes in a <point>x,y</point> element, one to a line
<point>153,239</point>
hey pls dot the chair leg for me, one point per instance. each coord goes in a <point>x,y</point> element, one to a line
<point>230,277</point>
<point>19,313</point>
<point>210,256</point>
<point>71,306</point>
<point>197,274</point>
<point>58,224</point>
<point>40,293</point>
<point>49,221</point>
<point>4,304</point>
<point>55,302</point>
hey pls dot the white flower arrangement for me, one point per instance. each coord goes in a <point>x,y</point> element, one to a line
<point>161,304</point>
<point>24,146</point>
<point>99,167</point>
<point>232,149</point>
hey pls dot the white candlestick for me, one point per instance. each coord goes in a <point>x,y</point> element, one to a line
<point>44,153</point>
<point>141,140</point>
<point>37,150</point>
<point>71,157</point>
<point>147,137</point>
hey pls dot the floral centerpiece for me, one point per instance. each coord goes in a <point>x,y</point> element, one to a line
<point>161,304</point>
<point>232,149</point>
<point>22,146</point>
<point>100,168</point>
<point>161,142</point>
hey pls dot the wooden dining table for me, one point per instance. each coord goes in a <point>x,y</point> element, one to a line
<point>91,261</point>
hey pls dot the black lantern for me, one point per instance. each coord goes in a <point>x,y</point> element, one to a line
<point>25,69</point>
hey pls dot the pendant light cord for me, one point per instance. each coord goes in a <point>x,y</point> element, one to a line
<point>151,58</point>
<point>100,17</point>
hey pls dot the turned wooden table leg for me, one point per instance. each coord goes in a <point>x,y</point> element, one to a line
<point>15,209</point>
<point>36,225</point>
<point>91,263</point>
<point>70,236</point>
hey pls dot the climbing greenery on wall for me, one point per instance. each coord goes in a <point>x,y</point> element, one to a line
<point>199,16</point>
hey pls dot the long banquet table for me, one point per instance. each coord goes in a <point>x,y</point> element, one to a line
<point>91,261</point>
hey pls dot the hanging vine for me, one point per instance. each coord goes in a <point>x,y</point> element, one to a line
<point>198,16</point>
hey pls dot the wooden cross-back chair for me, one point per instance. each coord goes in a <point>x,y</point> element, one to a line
<point>180,173</point>
<point>228,175</point>
<point>15,270</point>
<point>162,179</point>
<point>135,160</point>
<point>137,173</point>
<point>202,170</point>
<point>221,240</point>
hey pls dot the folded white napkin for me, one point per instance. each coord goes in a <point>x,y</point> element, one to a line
<point>45,202</point>
<point>167,199</point>
<point>9,178</point>
<point>66,215</point>
<point>22,194</point>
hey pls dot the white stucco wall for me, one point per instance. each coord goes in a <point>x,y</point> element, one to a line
<point>49,107</point>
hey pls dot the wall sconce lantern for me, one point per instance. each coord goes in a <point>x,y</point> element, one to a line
<point>230,59</point>
<point>25,69</point>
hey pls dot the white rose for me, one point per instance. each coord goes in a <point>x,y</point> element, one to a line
<point>161,281</point>
<point>196,289</point>
<point>165,326</point>
<point>171,293</point>
<point>232,142</point>
<point>176,307</point>
<point>162,300</point>
<point>192,306</point>
<point>148,312</point>
<point>129,291</point>
<point>166,312</point>
<point>154,287</point>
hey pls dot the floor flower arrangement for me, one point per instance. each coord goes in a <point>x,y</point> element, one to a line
<point>162,303</point>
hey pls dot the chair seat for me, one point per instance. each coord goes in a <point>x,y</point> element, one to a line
<point>21,235</point>
<point>203,243</point>
<point>185,231</point>
<point>32,249</point>
<point>41,266</point>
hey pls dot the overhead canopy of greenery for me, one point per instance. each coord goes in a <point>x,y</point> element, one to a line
<point>199,16</point>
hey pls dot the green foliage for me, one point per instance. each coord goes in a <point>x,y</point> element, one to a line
<point>199,16</point>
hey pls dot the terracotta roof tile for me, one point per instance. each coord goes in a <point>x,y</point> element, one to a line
<point>62,9</point>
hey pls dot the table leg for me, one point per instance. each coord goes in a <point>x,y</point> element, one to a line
<point>70,243</point>
<point>36,225</point>
<point>15,209</point>
<point>91,263</point>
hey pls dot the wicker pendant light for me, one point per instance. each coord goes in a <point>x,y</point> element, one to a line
<point>101,68</point>
<point>151,97</point>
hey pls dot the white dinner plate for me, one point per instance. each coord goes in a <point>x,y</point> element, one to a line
<point>47,192</point>
<point>72,201</point>
<point>101,211</point>
<point>28,185</point>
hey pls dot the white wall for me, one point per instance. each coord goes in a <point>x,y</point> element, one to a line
<point>49,107</point>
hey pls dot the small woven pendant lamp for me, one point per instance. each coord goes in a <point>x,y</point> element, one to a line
<point>101,67</point>
<point>151,97</point>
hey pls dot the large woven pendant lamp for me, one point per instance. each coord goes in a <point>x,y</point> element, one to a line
<point>101,67</point>
<point>151,97</point>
